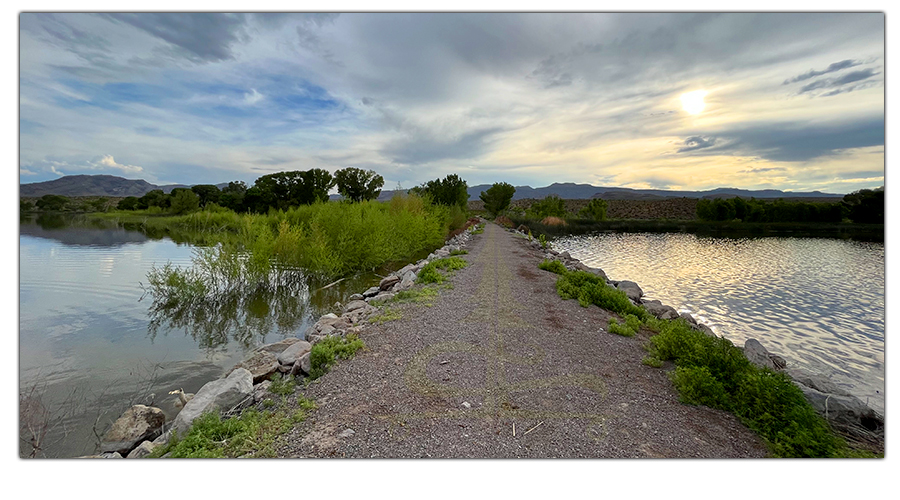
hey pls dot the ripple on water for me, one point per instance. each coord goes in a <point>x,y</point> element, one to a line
<point>793,294</point>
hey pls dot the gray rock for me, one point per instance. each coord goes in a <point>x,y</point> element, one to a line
<point>405,269</point>
<point>817,381</point>
<point>757,354</point>
<point>354,305</point>
<point>285,368</point>
<point>388,282</point>
<point>347,433</point>
<point>329,316</point>
<point>221,394</point>
<point>279,346</point>
<point>687,317</point>
<point>260,390</point>
<point>326,330</point>
<point>371,292</point>
<point>565,255</point>
<point>303,363</point>
<point>315,339</point>
<point>843,411</point>
<point>290,355</point>
<point>355,296</point>
<point>599,272</point>
<point>163,438</point>
<point>261,365</point>
<point>360,314</point>
<point>296,369</point>
<point>660,310</point>
<point>137,424</point>
<point>632,290</point>
<point>103,455</point>
<point>142,450</point>
<point>384,296</point>
<point>705,329</point>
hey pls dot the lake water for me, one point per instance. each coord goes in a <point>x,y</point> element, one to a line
<point>819,303</point>
<point>89,346</point>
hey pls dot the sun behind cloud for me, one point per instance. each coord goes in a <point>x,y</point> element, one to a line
<point>692,102</point>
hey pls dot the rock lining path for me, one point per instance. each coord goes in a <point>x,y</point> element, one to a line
<point>500,366</point>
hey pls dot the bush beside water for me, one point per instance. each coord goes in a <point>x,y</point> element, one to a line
<point>711,371</point>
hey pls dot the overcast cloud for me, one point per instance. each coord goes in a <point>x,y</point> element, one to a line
<point>794,101</point>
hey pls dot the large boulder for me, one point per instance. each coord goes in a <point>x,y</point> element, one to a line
<point>262,364</point>
<point>845,413</point>
<point>354,305</point>
<point>290,355</point>
<point>599,272</point>
<point>759,356</point>
<point>388,282</point>
<point>221,394</point>
<point>371,292</point>
<point>137,424</point>
<point>632,290</point>
<point>279,346</point>
<point>817,381</point>
<point>660,310</point>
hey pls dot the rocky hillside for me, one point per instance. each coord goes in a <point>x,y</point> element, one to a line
<point>95,185</point>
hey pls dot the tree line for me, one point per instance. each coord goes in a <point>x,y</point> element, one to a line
<point>863,206</point>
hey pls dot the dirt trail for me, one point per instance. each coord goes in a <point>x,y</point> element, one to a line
<point>500,366</point>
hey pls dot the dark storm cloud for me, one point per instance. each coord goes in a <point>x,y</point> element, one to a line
<point>697,142</point>
<point>422,147</point>
<point>836,83</point>
<point>798,142</point>
<point>204,37</point>
<point>847,63</point>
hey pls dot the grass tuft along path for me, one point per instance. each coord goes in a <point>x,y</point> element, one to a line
<point>500,366</point>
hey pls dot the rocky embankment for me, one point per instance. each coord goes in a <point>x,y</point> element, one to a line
<point>143,428</point>
<point>847,414</point>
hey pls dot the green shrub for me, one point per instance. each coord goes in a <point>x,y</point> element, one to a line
<point>327,351</point>
<point>651,361</point>
<point>551,206</point>
<point>431,274</point>
<point>616,328</point>
<point>595,210</point>
<point>282,384</point>
<point>554,266</point>
<point>458,252</point>
<point>697,386</point>
<point>250,434</point>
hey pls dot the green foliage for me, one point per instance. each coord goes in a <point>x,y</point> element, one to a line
<point>282,385</point>
<point>595,210</point>
<point>616,328</point>
<point>543,241</point>
<point>457,217</point>
<point>26,205</point>
<point>327,351</point>
<point>431,274</point>
<point>478,229</point>
<point>448,191</point>
<point>251,434</point>
<point>232,196</point>
<point>554,266</point>
<point>754,210</point>
<point>52,203</point>
<point>458,252</point>
<point>357,185</point>
<point>207,193</point>
<point>184,201</point>
<point>550,206</point>
<point>652,361</point>
<point>712,372</point>
<point>389,314</point>
<point>424,295</point>
<point>282,190</point>
<point>155,198</point>
<point>865,206</point>
<point>589,289</point>
<point>497,197</point>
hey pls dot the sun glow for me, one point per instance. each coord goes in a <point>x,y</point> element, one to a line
<point>692,102</point>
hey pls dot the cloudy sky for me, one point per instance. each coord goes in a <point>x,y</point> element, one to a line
<point>792,101</point>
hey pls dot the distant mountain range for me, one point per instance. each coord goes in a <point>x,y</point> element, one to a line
<point>110,185</point>
<point>96,185</point>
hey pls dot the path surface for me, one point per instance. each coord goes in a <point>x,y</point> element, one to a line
<point>500,366</point>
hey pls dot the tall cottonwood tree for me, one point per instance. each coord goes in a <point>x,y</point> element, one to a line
<point>356,184</point>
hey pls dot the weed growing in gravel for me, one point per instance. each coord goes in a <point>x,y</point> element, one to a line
<point>616,328</point>
<point>327,351</point>
<point>651,361</point>
<point>554,266</point>
<point>282,385</point>
<point>249,435</point>
<point>479,229</point>
<point>424,295</point>
<point>389,314</point>
<point>431,274</point>
<point>458,252</point>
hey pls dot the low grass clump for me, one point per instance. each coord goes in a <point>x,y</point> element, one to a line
<point>554,266</point>
<point>629,329</point>
<point>282,385</point>
<point>458,252</point>
<point>431,272</point>
<point>389,314</point>
<point>327,351</point>
<point>479,229</point>
<point>424,295</point>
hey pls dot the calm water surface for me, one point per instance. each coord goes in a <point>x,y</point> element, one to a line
<point>819,303</point>
<point>89,346</point>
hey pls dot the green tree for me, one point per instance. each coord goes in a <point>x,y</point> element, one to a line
<point>448,191</point>
<point>184,201</point>
<point>551,206</point>
<point>207,193</point>
<point>497,197</point>
<point>52,203</point>
<point>596,210</point>
<point>865,206</point>
<point>128,203</point>
<point>26,205</point>
<point>318,183</point>
<point>286,189</point>
<point>356,184</point>
<point>155,198</point>
<point>232,196</point>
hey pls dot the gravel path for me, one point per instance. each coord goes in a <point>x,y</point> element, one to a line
<point>500,366</point>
